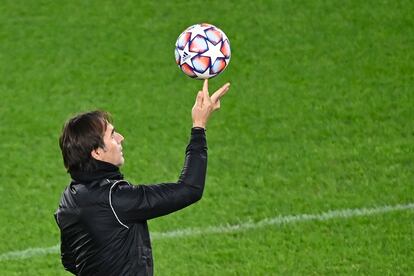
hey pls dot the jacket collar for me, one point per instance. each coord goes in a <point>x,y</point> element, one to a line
<point>103,170</point>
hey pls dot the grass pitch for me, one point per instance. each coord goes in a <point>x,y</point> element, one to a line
<point>319,117</point>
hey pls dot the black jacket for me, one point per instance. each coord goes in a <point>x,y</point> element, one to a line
<point>103,218</point>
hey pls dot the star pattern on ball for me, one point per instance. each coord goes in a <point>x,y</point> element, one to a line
<point>186,55</point>
<point>198,31</point>
<point>205,75</point>
<point>214,51</point>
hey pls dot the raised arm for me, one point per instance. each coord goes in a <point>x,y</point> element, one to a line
<point>143,202</point>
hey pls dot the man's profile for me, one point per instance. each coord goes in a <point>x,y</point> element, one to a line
<point>101,216</point>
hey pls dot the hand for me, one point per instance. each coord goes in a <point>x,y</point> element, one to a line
<point>205,105</point>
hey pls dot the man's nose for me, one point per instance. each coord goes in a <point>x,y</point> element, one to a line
<point>119,137</point>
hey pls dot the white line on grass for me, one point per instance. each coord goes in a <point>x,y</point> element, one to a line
<point>221,229</point>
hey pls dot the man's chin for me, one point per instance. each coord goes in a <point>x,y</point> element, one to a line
<point>121,162</point>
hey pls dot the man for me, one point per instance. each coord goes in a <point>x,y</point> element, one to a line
<point>102,217</point>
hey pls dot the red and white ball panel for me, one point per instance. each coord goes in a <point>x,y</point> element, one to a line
<point>201,63</point>
<point>183,40</point>
<point>218,66</point>
<point>198,44</point>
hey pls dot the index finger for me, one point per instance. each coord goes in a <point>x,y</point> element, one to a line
<point>205,86</point>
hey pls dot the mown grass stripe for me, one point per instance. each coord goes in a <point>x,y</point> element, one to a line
<point>222,229</point>
<point>29,253</point>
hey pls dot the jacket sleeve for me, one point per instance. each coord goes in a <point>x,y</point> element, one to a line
<point>66,255</point>
<point>67,258</point>
<point>134,203</point>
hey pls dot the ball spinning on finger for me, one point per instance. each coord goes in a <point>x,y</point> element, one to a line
<point>202,51</point>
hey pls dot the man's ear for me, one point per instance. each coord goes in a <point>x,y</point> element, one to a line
<point>97,154</point>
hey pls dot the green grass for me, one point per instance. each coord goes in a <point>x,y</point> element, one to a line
<point>319,117</point>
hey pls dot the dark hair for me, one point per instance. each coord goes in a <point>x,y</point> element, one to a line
<point>80,135</point>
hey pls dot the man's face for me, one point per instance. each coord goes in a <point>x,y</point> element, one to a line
<point>112,153</point>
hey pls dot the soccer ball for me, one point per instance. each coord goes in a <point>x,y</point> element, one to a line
<point>202,51</point>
